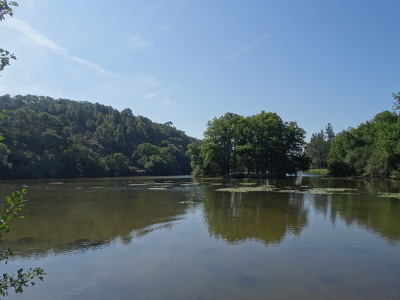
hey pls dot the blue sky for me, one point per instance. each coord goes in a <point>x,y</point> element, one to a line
<point>187,61</point>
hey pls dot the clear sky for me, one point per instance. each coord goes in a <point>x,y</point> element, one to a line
<point>187,61</point>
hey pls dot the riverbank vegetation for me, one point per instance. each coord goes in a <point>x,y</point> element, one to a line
<point>370,150</point>
<point>48,138</point>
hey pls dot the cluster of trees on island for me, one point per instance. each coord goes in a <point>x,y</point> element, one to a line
<point>259,144</point>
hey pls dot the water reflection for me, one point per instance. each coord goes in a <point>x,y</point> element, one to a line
<point>265,217</point>
<point>76,216</point>
<point>380,215</point>
<point>180,238</point>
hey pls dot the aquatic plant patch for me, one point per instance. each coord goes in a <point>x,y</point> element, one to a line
<point>390,195</point>
<point>245,189</point>
<point>288,189</point>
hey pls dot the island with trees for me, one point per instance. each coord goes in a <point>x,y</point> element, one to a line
<point>261,144</point>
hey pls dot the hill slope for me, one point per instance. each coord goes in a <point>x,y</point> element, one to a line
<point>48,138</point>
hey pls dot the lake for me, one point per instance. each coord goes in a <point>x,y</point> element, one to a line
<point>185,238</point>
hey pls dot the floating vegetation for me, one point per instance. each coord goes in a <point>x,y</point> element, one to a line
<point>318,191</point>
<point>390,195</point>
<point>291,191</point>
<point>288,189</point>
<point>157,188</point>
<point>321,191</point>
<point>245,189</point>
<point>189,183</point>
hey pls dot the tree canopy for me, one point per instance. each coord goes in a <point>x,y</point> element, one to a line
<point>372,149</point>
<point>318,147</point>
<point>48,138</point>
<point>259,144</point>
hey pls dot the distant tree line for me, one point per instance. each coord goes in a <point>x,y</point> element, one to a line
<point>259,144</point>
<point>48,138</point>
<point>372,149</point>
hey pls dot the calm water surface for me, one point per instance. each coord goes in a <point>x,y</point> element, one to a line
<point>183,238</point>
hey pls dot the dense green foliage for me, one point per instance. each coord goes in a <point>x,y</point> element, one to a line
<point>49,138</point>
<point>372,149</point>
<point>316,172</point>
<point>6,9</point>
<point>318,147</point>
<point>259,144</point>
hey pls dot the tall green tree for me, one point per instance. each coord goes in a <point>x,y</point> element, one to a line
<point>318,148</point>
<point>219,148</point>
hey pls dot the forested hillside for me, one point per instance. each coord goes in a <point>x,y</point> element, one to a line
<point>48,138</point>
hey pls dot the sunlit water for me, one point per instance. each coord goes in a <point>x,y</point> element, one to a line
<point>181,238</point>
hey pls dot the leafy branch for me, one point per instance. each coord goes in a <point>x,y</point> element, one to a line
<point>5,57</point>
<point>6,9</point>
<point>23,279</point>
<point>13,205</point>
